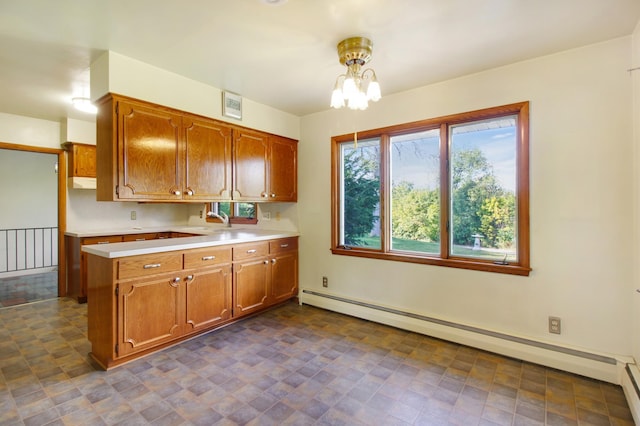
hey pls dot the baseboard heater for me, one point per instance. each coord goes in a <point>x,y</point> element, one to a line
<point>632,390</point>
<point>633,380</point>
<point>542,345</point>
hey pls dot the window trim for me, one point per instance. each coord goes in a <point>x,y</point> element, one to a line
<point>522,267</point>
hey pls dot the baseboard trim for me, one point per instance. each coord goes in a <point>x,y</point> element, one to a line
<point>599,366</point>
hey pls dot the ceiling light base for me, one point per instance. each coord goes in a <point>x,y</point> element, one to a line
<point>355,50</point>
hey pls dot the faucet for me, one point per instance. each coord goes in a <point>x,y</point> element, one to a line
<point>222,216</point>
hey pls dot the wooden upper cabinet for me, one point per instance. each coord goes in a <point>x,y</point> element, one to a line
<point>251,165</point>
<point>82,159</point>
<point>283,169</point>
<point>265,167</point>
<point>150,154</point>
<point>208,160</point>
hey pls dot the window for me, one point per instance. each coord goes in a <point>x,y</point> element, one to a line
<point>450,191</point>
<point>237,212</point>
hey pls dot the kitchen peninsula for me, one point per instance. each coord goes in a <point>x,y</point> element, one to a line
<point>147,295</point>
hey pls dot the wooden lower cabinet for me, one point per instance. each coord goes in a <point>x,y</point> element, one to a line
<point>264,273</point>
<point>284,269</point>
<point>77,263</point>
<point>76,259</point>
<point>140,304</point>
<point>141,324</point>
<point>250,286</point>
<point>208,298</point>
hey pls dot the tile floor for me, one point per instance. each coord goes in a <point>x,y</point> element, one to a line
<point>28,288</point>
<point>293,365</point>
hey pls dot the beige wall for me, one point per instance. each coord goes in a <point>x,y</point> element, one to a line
<point>581,210</point>
<point>32,183</point>
<point>635,76</point>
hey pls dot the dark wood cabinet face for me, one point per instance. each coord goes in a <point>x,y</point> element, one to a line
<point>149,154</point>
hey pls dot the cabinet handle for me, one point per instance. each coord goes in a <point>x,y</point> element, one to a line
<point>174,282</point>
<point>208,257</point>
<point>273,261</point>
<point>273,195</point>
<point>266,262</point>
<point>263,195</point>
<point>252,251</point>
<point>189,277</point>
<point>140,239</point>
<point>103,242</point>
<point>176,192</point>
<point>152,265</point>
<point>189,191</point>
<point>284,245</point>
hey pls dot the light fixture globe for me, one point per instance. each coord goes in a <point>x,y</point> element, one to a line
<point>356,87</point>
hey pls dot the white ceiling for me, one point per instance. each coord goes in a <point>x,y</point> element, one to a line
<point>283,55</point>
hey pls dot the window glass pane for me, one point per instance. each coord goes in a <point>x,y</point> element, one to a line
<point>360,191</point>
<point>224,208</point>
<point>415,192</point>
<point>483,189</point>
<point>246,210</point>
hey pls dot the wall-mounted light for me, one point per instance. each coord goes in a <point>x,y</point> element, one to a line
<point>357,87</point>
<point>84,104</point>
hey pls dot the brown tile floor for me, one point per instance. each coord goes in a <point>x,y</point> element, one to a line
<point>28,288</point>
<point>294,365</point>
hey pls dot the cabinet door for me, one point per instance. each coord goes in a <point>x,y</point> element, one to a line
<point>284,276</point>
<point>149,153</point>
<point>250,286</point>
<point>251,156</point>
<point>148,313</point>
<point>283,169</point>
<point>208,160</point>
<point>208,297</point>
<point>83,160</point>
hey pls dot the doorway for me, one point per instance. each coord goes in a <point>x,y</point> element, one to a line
<point>32,224</point>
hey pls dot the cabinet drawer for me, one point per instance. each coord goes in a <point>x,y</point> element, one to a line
<point>283,244</point>
<point>102,240</point>
<point>250,250</point>
<point>209,256</point>
<point>139,266</point>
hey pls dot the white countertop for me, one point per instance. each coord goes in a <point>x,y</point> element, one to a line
<point>142,230</point>
<point>210,237</point>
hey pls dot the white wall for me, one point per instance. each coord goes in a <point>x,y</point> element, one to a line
<point>116,73</point>
<point>581,212</point>
<point>29,131</point>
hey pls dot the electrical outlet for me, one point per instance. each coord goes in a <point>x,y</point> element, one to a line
<point>266,215</point>
<point>133,215</point>
<point>200,214</point>
<point>555,325</point>
<point>325,282</point>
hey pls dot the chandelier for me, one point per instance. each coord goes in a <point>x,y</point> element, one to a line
<point>357,87</point>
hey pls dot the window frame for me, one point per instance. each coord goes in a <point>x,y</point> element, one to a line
<point>445,258</point>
